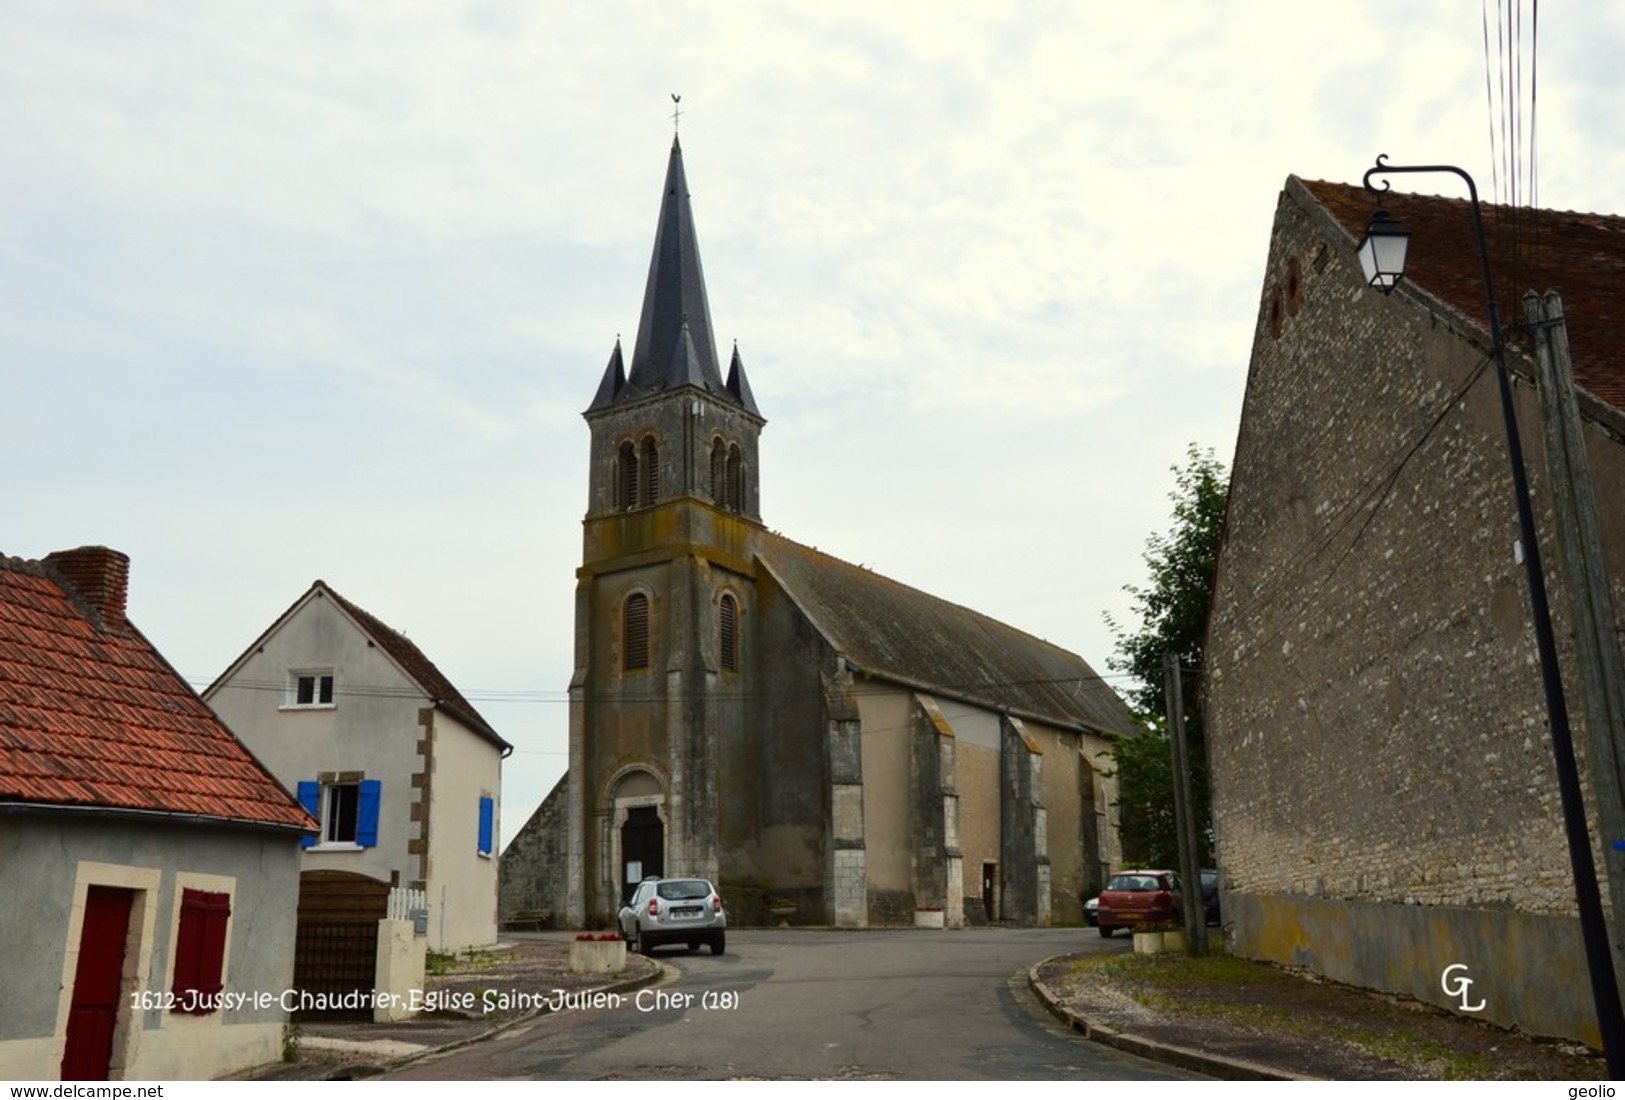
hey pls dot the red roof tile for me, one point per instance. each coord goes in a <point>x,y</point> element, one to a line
<point>1581,256</point>
<point>91,715</point>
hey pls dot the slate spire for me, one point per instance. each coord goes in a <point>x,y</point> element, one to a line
<point>613,382</point>
<point>674,344</point>
<point>739,385</point>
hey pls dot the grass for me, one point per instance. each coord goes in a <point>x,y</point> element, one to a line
<point>1244,993</point>
<point>441,963</point>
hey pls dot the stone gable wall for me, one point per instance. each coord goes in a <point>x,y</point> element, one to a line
<point>534,870</point>
<point>1374,709</point>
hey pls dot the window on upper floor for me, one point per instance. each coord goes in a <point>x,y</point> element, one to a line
<point>347,809</point>
<point>311,688</point>
<point>341,812</point>
<point>728,633</point>
<point>635,632</point>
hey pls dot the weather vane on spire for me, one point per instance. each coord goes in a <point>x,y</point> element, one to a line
<point>676,110</point>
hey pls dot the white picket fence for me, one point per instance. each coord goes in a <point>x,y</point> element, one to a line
<point>403,900</point>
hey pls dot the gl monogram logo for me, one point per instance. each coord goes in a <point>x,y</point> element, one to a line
<point>1459,985</point>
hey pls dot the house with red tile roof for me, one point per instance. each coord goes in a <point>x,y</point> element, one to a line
<point>400,769</point>
<point>1384,788</point>
<point>149,859</point>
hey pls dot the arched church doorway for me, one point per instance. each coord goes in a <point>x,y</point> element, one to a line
<point>640,839</point>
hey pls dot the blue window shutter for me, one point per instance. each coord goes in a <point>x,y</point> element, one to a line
<point>366,827</point>
<point>488,808</point>
<point>310,797</point>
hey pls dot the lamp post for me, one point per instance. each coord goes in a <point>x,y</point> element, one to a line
<point>1382,257</point>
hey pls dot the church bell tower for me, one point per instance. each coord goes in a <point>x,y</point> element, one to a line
<point>666,588</point>
<point>672,426</point>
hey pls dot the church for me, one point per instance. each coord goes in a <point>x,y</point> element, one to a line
<point>830,747</point>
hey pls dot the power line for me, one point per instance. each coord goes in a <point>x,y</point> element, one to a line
<point>546,696</point>
<point>1367,501</point>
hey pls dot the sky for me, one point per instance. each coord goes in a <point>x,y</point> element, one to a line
<point>319,290</point>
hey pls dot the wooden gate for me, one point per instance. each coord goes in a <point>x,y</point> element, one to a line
<point>336,946</point>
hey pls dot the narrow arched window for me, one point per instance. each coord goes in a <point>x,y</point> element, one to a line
<point>635,632</point>
<point>626,481</point>
<point>728,634</point>
<point>651,471</point>
<point>719,472</point>
<point>736,479</point>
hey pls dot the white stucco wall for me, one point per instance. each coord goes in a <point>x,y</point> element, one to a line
<point>50,860</point>
<point>462,883</point>
<point>374,727</point>
<point>887,795</point>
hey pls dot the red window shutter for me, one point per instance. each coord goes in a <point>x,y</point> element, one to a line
<point>200,951</point>
<point>188,948</point>
<point>211,967</point>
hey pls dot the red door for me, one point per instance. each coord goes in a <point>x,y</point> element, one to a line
<point>97,984</point>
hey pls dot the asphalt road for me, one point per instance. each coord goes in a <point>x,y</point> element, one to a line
<point>884,1005</point>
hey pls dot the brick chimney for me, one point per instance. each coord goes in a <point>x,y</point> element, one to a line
<point>99,577</point>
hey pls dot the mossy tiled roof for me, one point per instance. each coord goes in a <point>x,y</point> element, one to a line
<point>894,631</point>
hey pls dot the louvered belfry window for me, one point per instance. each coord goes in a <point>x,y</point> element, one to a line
<point>651,471</point>
<point>626,485</point>
<point>728,633</point>
<point>635,632</point>
<point>719,472</point>
<point>736,479</point>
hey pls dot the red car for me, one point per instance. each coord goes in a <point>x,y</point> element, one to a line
<point>1133,899</point>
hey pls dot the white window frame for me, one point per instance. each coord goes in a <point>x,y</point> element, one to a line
<point>330,792</point>
<point>316,676</point>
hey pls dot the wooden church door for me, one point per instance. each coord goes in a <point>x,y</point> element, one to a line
<point>643,848</point>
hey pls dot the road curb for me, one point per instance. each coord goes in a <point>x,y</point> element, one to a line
<point>1226,1069</point>
<point>362,1070</point>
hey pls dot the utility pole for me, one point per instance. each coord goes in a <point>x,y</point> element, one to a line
<point>1579,535</point>
<point>1190,874</point>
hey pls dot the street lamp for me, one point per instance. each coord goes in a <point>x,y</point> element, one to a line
<point>1384,241</point>
<point>1382,252</point>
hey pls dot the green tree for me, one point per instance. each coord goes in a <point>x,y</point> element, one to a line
<point>1172,610</point>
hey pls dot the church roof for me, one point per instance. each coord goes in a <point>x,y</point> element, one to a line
<point>1581,256</point>
<point>675,346</point>
<point>900,633</point>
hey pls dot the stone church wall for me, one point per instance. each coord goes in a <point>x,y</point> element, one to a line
<point>773,834</point>
<point>1383,781</point>
<point>1067,785</point>
<point>534,870</point>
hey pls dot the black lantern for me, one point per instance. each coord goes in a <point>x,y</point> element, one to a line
<point>1382,253</point>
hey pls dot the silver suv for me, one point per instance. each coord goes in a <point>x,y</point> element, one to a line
<point>675,910</point>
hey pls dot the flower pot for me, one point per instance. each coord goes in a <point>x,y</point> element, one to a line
<point>1155,943</point>
<point>598,956</point>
